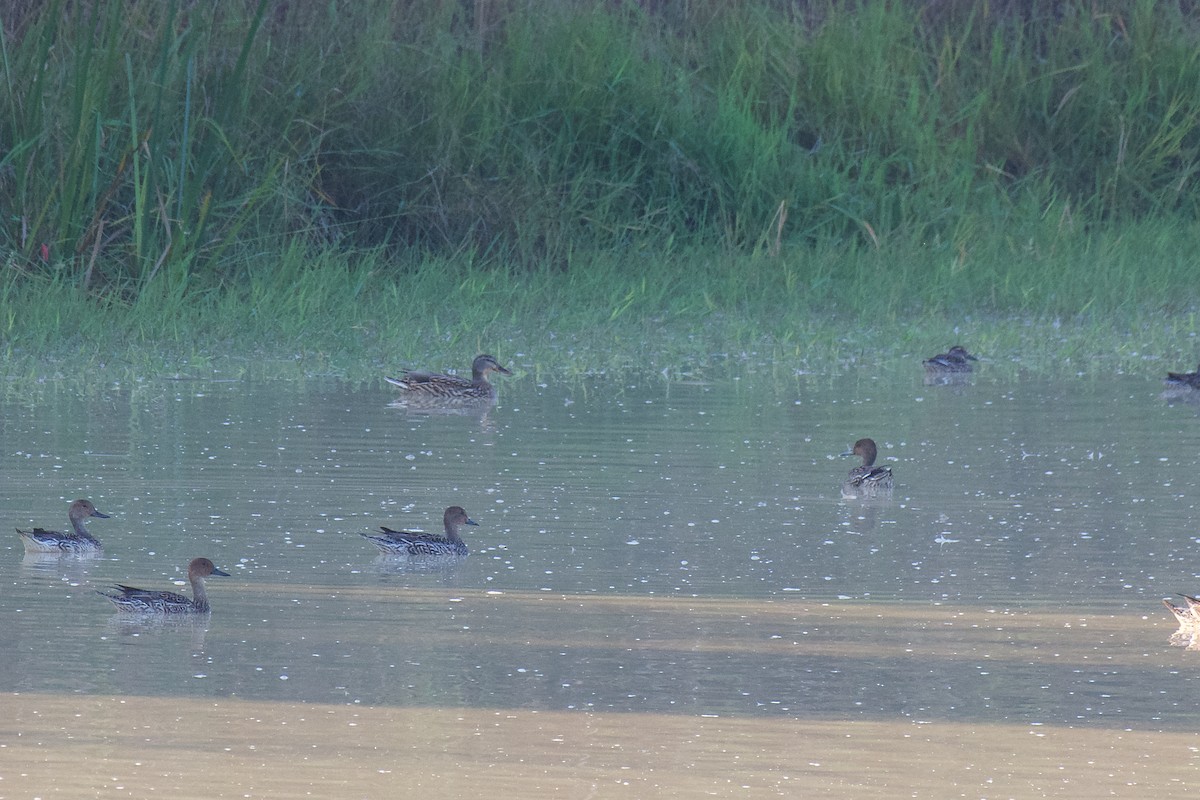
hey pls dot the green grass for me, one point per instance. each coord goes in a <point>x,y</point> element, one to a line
<point>165,141</point>
<point>338,188</point>
<point>697,312</point>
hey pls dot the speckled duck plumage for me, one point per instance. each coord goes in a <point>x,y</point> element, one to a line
<point>77,540</point>
<point>148,601</point>
<point>867,478</point>
<point>1183,380</point>
<point>392,542</point>
<point>955,360</point>
<point>435,386</point>
<point>1188,615</point>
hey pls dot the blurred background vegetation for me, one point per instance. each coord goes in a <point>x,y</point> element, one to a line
<point>161,139</point>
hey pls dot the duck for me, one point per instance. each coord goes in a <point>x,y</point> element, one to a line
<point>956,359</point>
<point>1187,615</point>
<point>411,543</point>
<point>149,601</point>
<point>78,540</point>
<point>868,478</point>
<point>431,385</point>
<point>1183,380</point>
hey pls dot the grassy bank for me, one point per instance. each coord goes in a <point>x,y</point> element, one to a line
<point>335,187</point>
<point>692,313</point>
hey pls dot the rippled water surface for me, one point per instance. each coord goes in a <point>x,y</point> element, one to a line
<point>666,595</point>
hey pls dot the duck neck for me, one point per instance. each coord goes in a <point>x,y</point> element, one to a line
<point>452,533</point>
<point>80,530</point>
<point>199,595</point>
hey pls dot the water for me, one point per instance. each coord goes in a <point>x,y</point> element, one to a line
<point>667,594</point>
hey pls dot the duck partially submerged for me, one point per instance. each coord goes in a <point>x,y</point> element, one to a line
<point>77,540</point>
<point>866,479</point>
<point>435,386</point>
<point>955,360</point>
<point>411,543</point>
<point>1183,380</point>
<point>150,601</point>
<point>1187,615</point>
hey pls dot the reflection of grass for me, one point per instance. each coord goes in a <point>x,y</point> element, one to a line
<point>1086,307</point>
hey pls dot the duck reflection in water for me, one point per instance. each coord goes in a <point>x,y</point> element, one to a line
<point>480,410</point>
<point>133,626</point>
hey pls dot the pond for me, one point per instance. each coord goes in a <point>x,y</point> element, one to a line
<point>667,594</point>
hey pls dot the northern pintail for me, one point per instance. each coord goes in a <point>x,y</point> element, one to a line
<point>78,540</point>
<point>956,359</point>
<point>868,478</point>
<point>1187,615</point>
<point>1183,380</point>
<point>425,544</point>
<point>432,385</point>
<point>149,601</point>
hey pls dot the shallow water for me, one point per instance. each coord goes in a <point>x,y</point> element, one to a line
<point>666,593</point>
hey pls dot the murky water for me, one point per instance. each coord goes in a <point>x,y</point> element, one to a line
<point>666,595</point>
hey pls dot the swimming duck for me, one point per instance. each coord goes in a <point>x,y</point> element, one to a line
<point>425,544</point>
<point>451,387</point>
<point>40,540</point>
<point>956,359</point>
<point>1183,380</point>
<point>148,601</point>
<point>868,478</point>
<point>1188,615</point>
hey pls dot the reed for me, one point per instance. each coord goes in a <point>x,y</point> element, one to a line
<point>161,139</point>
<point>296,170</point>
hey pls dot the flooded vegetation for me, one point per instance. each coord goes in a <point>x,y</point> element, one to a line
<point>666,590</point>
